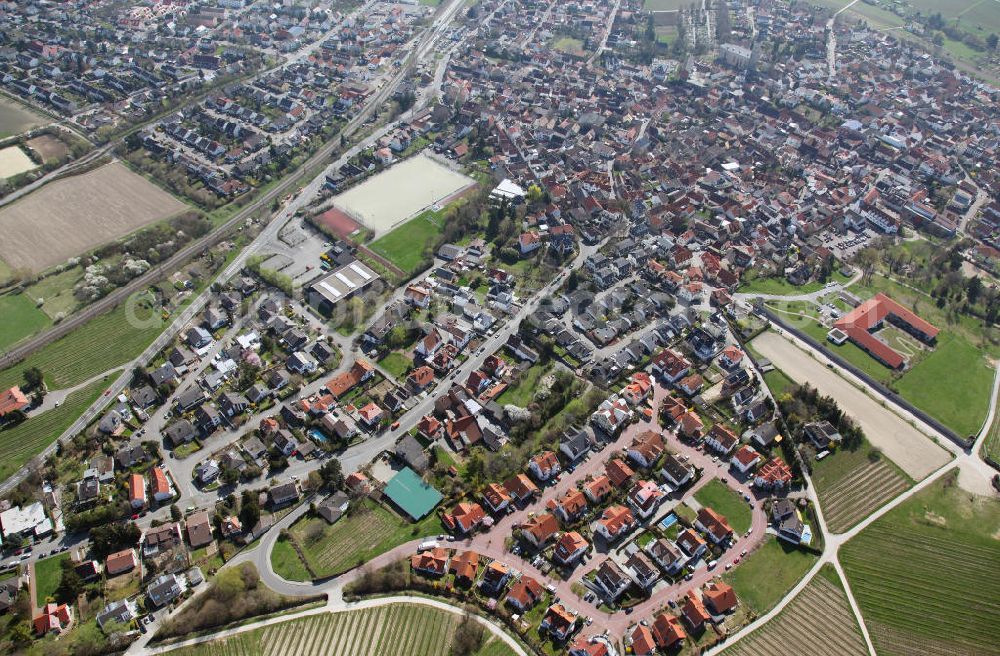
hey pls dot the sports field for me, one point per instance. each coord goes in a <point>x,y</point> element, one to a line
<point>14,161</point>
<point>393,630</point>
<point>927,574</point>
<point>796,629</point>
<point>71,216</point>
<point>405,245</point>
<point>400,192</point>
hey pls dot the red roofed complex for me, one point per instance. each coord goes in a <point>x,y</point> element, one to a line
<point>774,473</point>
<point>667,631</point>
<point>465,517</point>
<point>12,400</point>
<point>860,323</point>
<point>53,618</point>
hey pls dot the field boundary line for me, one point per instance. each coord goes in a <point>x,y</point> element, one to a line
<point>853,603</point>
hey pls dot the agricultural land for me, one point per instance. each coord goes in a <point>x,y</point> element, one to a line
<point>397,630</point>
<point>16,118</point>
<point>71,216</point>
<point>769,573</point>
<point>925,574</point>
<point>818,621</point>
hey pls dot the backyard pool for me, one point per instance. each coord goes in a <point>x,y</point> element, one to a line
<point>668,521</point>
<point>317,435</point>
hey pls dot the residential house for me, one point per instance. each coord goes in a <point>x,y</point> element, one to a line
<point>137,491</point>
<point>520,488</point>
<point>570,548</point>
<point>465,566</point>
<point>713,525</point>
<point>163,590</point>
<point>612,415</point>
<point>646,448</point>
<point>54,618</point>
<point>618,473</point>
<point>464,518</point>
<point>495,577</point>
<point>691,385</point>
<point>284,494</point>
<point>615,521</point>
<point>644,498</point>
<point>545,466</point>
<point>667,631</point>
<point>745,459</point>
<point>694,612</point>
<point>721,439</point>
<point>180,432</point>
<point>670,366</point>
<point>496,498</point>
<point>719,598</point>
<point>524,594</point>
<point>643,643</point>
<point>822,434</point>
<point>675,472</point>
<point>121,562</point>
<point>541,528</point>
<point>199,529</point>
<point>691,543</point>
<point>577,444</point>
<point>642,570</point>
<point>120,612</point>
<point>773,474</point>
<point>598,489</point>
<point>159,485</point>
<point>433,562</point>
<point>161,539</point>
<point>558,622</point>
<point>571,506</point>
<point>612,579</point>
<point>667,554</point>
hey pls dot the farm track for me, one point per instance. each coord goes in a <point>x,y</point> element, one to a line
<point>818,621</point>
<point>856,496</point>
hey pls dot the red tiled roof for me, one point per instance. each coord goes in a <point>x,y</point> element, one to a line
<point>721,597</point>
<point>858,322</point>
<point>11,400</point>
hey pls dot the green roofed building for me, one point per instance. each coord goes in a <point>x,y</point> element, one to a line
<point>411,494</point>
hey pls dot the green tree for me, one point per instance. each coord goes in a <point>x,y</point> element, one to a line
<point>249,510</point>
<point>991,41</point>
<point>332,474</point>
<point>175,512</point>
<point>70,585</point>
<point>33,378</point>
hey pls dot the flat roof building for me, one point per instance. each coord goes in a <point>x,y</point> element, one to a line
<point>339,285</point>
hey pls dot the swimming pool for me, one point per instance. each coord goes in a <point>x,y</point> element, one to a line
<point>668,521</point>
<point>317,435</point>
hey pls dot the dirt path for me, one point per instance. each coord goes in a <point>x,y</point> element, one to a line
<point>914,452</point>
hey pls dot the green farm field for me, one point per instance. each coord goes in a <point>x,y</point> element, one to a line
<point>356,538</point>
<point>24,441</point>
<point>795,629</point>
<point>404,246</point>
<point>851,486</point>
<point>100,344</point>
<point>393,630</point>
<point>925,574</point>
<point>767,574</point>
<point>19,318</point>
<point>720,498</point>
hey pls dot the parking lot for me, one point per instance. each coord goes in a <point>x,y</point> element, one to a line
<point>845,246</point>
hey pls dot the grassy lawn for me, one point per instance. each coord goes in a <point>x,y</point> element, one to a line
<point>926,573</point>
<point>396,364</point>
<point>522,392</point>
<point>392,630</point>
<point>25,440</point>
<point>568,45</point>
<point>286,562</point>
<point>723,500</point>
<point>931,385</point>
<point>780,286</point>
<point>57,292</point>
<point>404,246</point>
<point>769,573</point>
<point>991,445</point>
<point>48,573</point>
<point>98,345</point>
<point>444,456</point>
<point>356,538</point>
<point>19,318</point>
<point>777,381</point>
